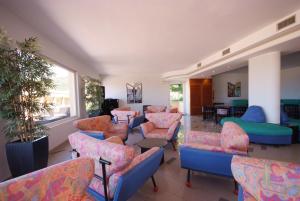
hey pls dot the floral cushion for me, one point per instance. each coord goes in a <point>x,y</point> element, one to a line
<point>114,179</point>
<point>159,133</point>
<point>267,179</point>
<point>156,108</point>
<point>119,155</point>
<point>147,127</point>
<point>163,119</point>
<point>172,110</point>
<point>100,123</point>
<point>234,137</point>
<point>201,137</point>
<point>64,181</point>
<point>213,148</point>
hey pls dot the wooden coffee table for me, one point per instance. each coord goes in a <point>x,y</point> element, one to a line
<point>149,143</point>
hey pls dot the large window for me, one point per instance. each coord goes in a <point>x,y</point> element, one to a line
<point>62,97</point>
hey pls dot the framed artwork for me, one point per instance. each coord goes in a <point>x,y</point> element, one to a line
<point>234,90</point>
<point>134,92</point>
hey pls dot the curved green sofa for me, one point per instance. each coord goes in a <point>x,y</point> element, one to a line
<point>265,133</point>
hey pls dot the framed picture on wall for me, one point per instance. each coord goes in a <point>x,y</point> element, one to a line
<point>134,92</point>
<point>234,90</point>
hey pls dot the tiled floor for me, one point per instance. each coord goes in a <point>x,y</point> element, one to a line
<point>171,178</point>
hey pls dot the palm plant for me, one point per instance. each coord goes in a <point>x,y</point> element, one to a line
<point>25,79</point>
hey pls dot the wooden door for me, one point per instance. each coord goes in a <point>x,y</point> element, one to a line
<point>200,94</point>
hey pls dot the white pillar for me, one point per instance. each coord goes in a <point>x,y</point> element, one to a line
<point>264,84</point>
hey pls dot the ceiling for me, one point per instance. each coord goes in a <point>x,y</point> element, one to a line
<point>149,37</point>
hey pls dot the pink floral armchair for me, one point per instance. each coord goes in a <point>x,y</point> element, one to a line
<point>117,166</point>
<point>124,114</point>
<point>212,152</point>
<point>162,125</point>
<point>58,182</point>
<point>101,127</point>
<point>155,109</point>
<point>266,180</point>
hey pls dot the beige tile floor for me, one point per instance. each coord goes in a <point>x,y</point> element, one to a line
<point>171,178</point>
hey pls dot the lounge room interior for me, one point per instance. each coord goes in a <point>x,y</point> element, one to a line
<point>193,100</point>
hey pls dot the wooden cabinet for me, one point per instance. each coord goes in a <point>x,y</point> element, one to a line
<point>201,94</point>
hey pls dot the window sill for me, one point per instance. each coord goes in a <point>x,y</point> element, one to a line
<point>60,122</point>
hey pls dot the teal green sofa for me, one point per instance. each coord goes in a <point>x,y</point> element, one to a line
<point>254,124</point>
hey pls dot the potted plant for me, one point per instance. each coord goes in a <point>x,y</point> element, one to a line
<point>25,81</point>
<point>93,95</point>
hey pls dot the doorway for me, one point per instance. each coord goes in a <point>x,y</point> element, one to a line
<point>176,96</point>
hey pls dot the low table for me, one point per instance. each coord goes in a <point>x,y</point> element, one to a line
<point>149,143</point>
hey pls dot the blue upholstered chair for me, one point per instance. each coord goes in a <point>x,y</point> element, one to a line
<point>212,152</point>
<point>123,170</point>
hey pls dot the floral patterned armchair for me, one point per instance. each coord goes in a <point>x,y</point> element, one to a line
<point>155,109</point>
<point>119,172</point>
<point>101,127</point>
<point>212,152</point>
<point>162,125</point>
<point>266,180</point>
<point>57,182</point>
<point>128,116</point>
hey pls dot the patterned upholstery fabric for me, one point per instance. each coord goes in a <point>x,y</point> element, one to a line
<point>115,139</point>
<point>267,179</point>
<point>147,127</point>
<point>213,148</point>
<point>100,123</point>
<point>172,110</point>
<point>103,124</point>
<point>163,119</point>
<point>124,113</point>
<point>155,108</point>
<point>234,137</point>
<point>201,137</point>
<point>232,140</point>
<point>151,131</point>
<point>65,181</point>
<point>119,155</point>
<point>114,179</point>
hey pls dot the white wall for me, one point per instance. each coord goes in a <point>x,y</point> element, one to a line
<point>155,91</point>
<point>220,85</point>
<point>17,29</point>
<point>290,81</point>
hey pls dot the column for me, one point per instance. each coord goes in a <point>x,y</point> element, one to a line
<point>264,84</point>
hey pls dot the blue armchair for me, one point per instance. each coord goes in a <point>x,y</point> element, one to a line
<point>212,152</point>
<point>124,172</point>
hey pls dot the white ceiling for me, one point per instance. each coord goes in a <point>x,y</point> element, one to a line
<point>139,36</point>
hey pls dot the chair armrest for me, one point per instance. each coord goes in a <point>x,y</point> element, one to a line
<point>95,134</point>
<point>201,137</point>
<point>147,127</point>
<point>68,180</point>
<point>214,148</point>
<point>267,179</point>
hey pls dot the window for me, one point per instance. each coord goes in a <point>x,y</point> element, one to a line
<point>62,97</point>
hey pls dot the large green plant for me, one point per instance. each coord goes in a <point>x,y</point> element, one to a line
<point>25,78</point>
<point>93,94</point>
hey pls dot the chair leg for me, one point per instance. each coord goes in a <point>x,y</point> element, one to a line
<point>235,191</point>
<point>188,179</point>
<point>155,188</point>
<point>173,142</point>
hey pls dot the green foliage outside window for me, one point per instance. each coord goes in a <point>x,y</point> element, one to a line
<point>176,92</point>
<point>93,94</point>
